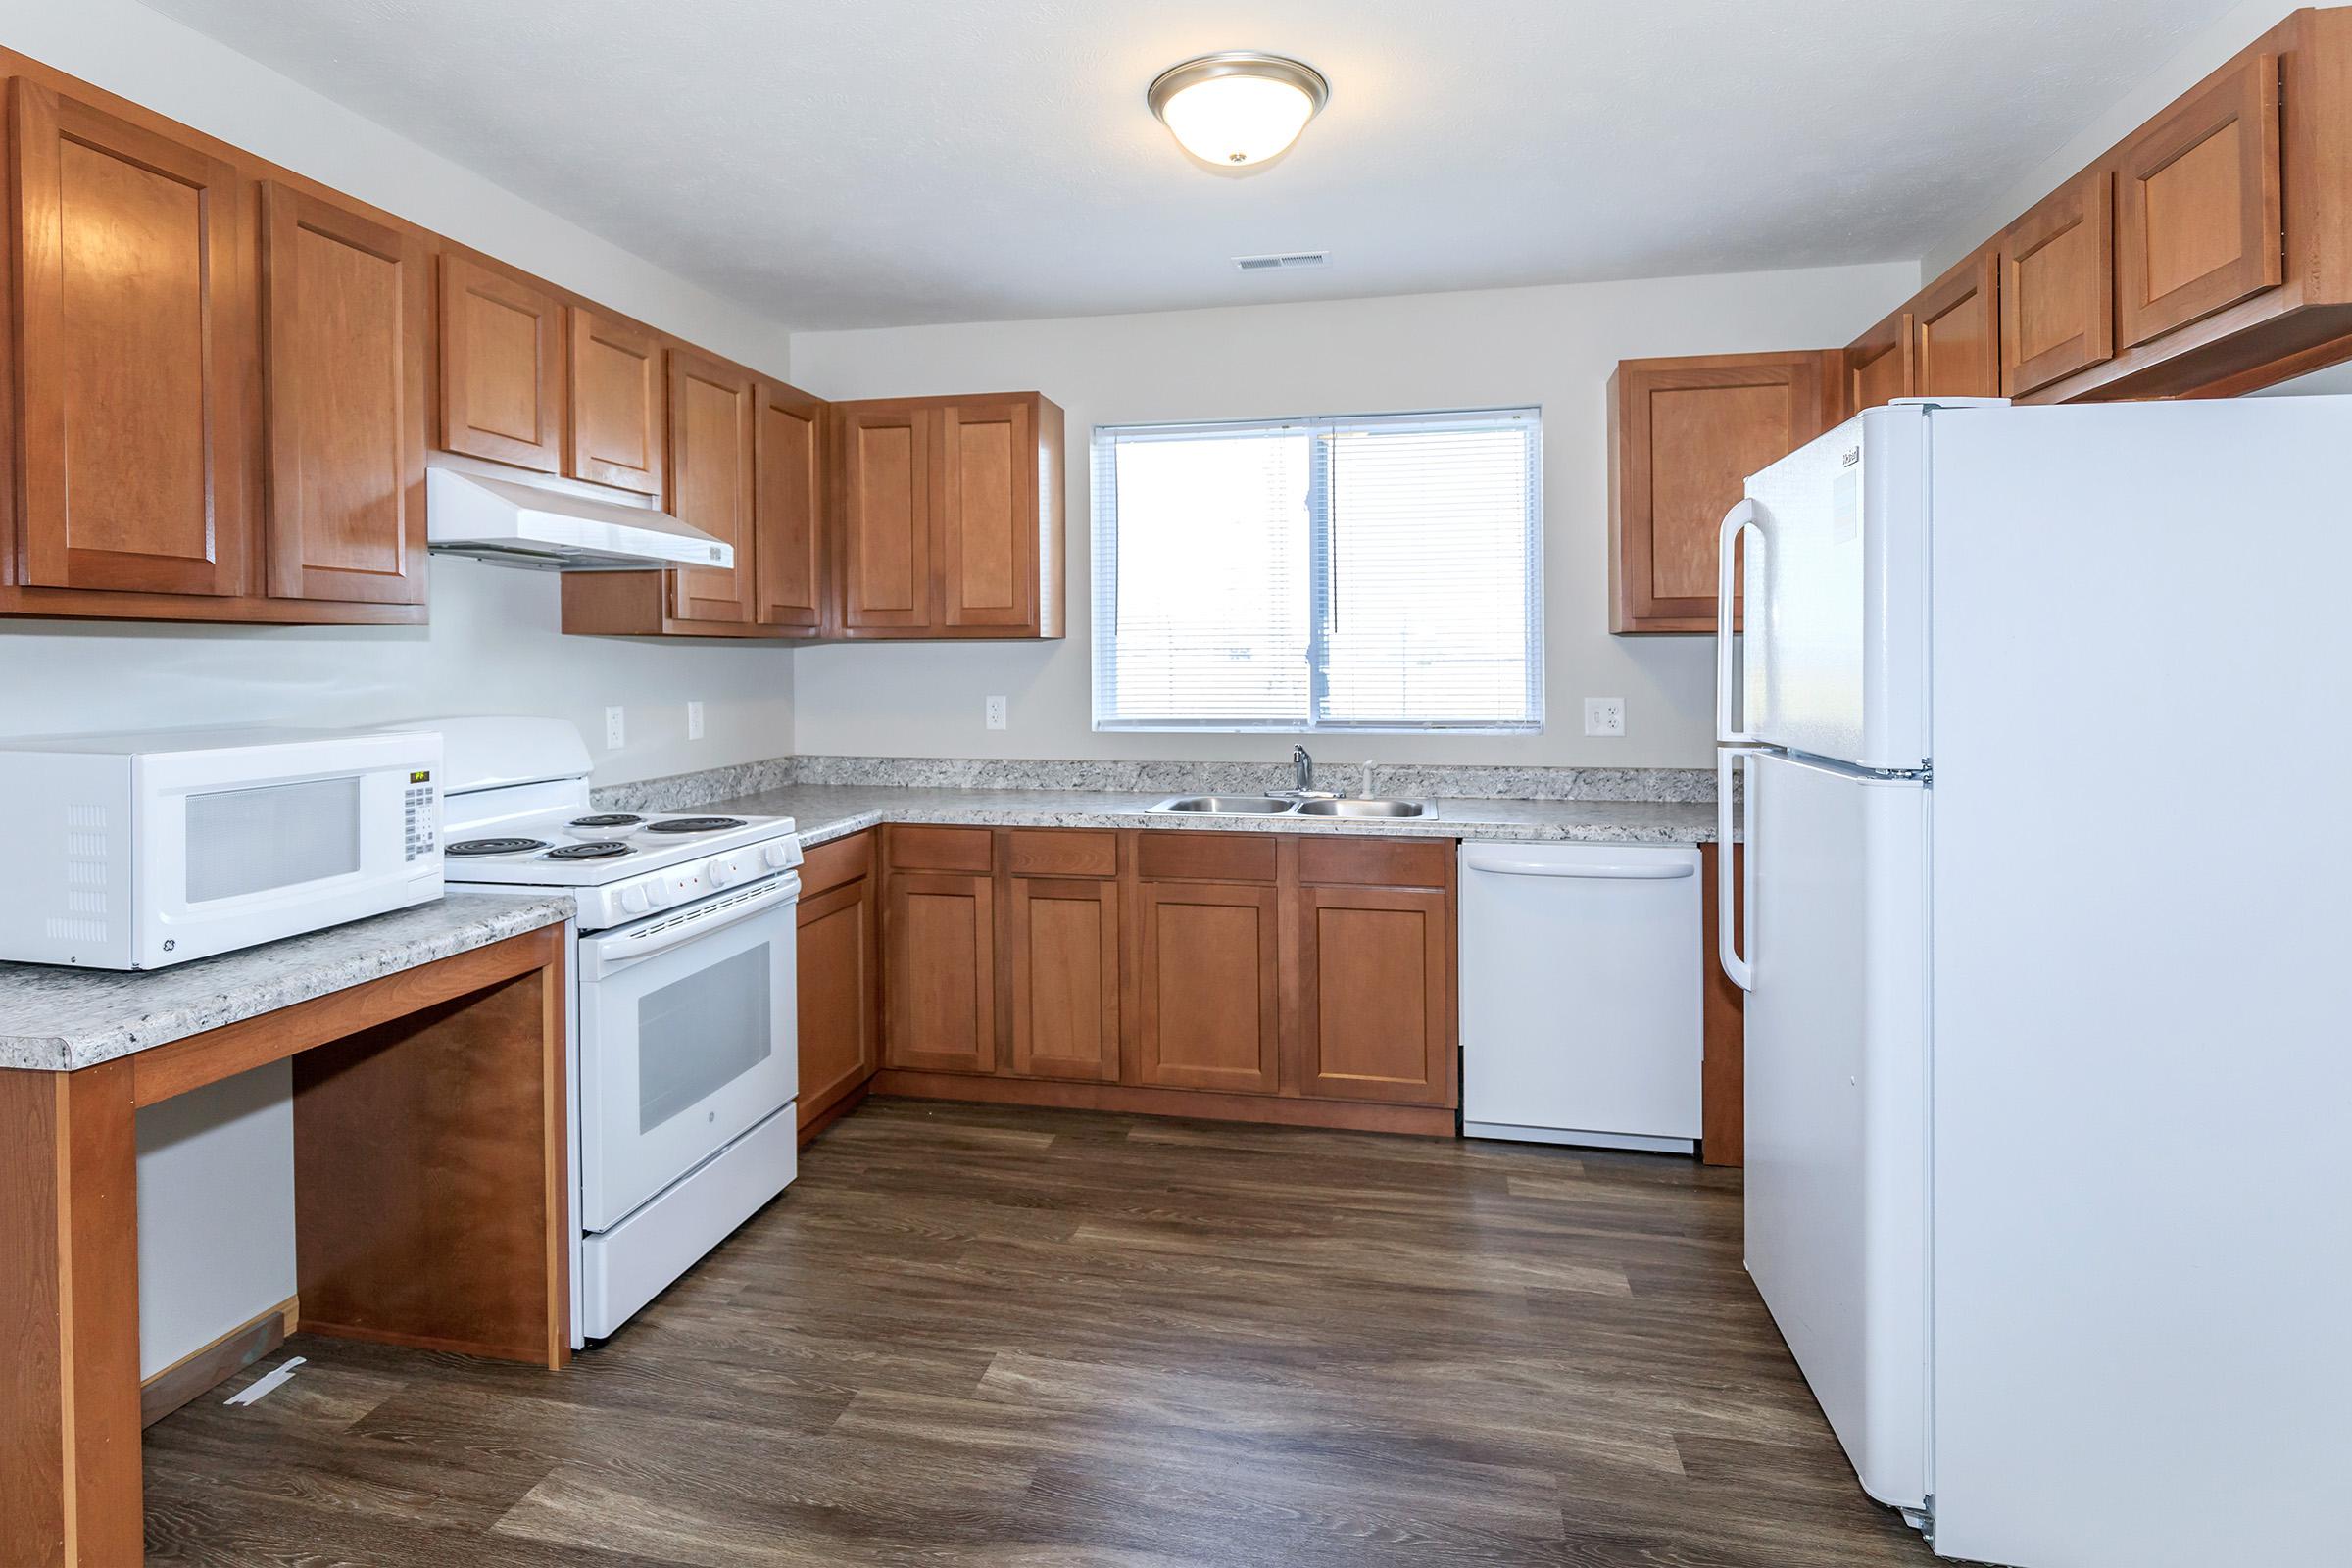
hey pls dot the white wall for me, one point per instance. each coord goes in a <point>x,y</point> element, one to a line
<point>492,645</point>
<point>1549,346</point>
<point>2205,51</point>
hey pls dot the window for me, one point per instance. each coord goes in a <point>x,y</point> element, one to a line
<point>1373,572</point>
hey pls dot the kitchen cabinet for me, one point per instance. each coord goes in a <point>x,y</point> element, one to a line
<point>136,348</point>
<point>839,977</point>
<point>949,517</point>
<point>1879,365</point>
<point>1064,949</point>
<point>1375,972</point>
<point>2199,192</point>
<point>1207,971</point>
<point>788,508</point>
<point>1956,333</point>
<point>2057,285</point>
<point>940,951</point>
<point>345,301</point>
<point>502,366</point>
<point>1684,434</point>
<point>618,404</point>
<point>711,441</point>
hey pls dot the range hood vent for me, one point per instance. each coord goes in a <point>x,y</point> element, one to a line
<point>514,524</point>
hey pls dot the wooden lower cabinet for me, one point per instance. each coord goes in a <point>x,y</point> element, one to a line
<point>1376,973</point>
<point>1208,969</point>
<point>939,972</point>
<point>839,977</point>
<point>1065,952</point>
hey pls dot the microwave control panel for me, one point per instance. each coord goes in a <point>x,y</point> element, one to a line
<point>423,815</point>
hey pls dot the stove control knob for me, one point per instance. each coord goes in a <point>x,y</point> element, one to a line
<point>634,901</point>
<point>777,855</point>
<point>720,870</point>
<point>656,893</point>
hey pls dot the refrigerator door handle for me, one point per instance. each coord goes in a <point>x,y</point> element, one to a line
<point>1727,946</point>
<point>1743,516</point>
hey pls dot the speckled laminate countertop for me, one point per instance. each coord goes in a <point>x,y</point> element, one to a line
<point>56,1019</point>
<point>825,812</point>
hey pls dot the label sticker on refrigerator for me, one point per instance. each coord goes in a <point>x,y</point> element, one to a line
<point>1845,506</point>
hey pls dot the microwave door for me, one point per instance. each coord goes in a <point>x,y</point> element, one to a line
<point>688,1039</point>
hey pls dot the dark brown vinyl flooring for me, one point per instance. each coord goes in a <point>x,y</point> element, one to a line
<point>990,1335</point>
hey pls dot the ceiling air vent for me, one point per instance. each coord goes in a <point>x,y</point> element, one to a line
<point>1283,260</point>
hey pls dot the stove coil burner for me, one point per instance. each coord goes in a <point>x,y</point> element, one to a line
<point>696,824</point>
<point>605,819</point>
<point>493,845</point>
<point>593,850</point>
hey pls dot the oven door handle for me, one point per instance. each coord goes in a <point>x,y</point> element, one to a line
<point>610,952</point>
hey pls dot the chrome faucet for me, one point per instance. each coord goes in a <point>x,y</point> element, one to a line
<point>1302,771</point>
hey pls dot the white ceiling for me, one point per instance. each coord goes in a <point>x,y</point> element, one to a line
<point>886,162</point>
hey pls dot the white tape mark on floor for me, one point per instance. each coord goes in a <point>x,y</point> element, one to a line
<point>266,1384</point>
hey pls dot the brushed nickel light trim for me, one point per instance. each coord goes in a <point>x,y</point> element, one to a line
<point>1294,74</point>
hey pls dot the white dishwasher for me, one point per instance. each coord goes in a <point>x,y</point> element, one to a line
<point>1581,970</point>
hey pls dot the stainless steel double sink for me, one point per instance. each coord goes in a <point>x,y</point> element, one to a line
<point>1281,805</point>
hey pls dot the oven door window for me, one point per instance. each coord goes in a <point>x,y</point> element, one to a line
<point>683,1048</point>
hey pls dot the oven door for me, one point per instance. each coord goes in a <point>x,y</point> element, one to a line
<point>688,1037</point>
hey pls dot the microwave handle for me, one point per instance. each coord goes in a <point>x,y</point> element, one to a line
<point>610,952</point>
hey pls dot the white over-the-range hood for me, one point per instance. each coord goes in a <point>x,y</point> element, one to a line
<point>510,524</point>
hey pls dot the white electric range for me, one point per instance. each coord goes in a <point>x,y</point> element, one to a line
<point>685,1041</point>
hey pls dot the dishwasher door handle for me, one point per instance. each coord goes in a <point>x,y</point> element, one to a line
<point>1608,872</point>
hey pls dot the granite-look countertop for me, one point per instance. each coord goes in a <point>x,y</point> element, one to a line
<point>825,812</point>
<point>55,1018</point>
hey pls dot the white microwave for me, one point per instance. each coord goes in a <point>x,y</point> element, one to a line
<point>140,849</point>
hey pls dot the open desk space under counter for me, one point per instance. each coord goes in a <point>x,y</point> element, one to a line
<point>431,1189</point>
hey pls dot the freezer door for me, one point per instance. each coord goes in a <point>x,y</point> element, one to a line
<point>1835,653</point>
<point>1837,1101</point>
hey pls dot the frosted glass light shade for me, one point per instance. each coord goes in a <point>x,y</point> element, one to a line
<point>1238,109</point>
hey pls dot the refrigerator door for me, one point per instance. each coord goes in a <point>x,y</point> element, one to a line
<point>1836,1100</point>
<point>1834,656</point>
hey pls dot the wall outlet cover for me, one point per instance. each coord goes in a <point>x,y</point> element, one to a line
<point>616,731</point>
<point>997,712</point>
<point>694,722</point>
<point>1604,715</point>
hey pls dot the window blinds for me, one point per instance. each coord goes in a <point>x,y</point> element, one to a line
<point>1372,572</point>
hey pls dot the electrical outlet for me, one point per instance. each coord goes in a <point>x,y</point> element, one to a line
<point>1604,715</point>
<point>694,722</point>
<point>616,733</point>
<point>995,713</point>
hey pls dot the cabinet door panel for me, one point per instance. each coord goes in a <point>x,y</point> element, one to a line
<point>502,368</point>
<point>838,1025</point>
<point>711,445</point>
<point>1879,365</point>
<point>1376,997</point>
<point>344,305</point>
<point>2058,286</point>
<point>788,511</point>
<point>1065,979</point>
<point>1956,333</point>
<point>136,379</point>
<point>985,534</point>
<point>886,483</point>
<point>941,973</point>
<point>1207,959</point>
<point>617,424</point>
<point>2199,204</point>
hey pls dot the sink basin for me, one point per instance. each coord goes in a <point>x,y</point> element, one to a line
<point>1362,807</point>
<point>1227,805</point>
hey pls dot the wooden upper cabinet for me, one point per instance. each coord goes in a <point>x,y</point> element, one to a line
<point>986,529</point>
<point>1685,435</point>
<point>939,932</point>
<point>1206,985</point>
<point>502,366</point>
<point>1376,995</point>
<point>2199,199</point>
<point>788,508</point>
<point>711,408</point>
<point>1879,365</point>
<point>136,343</point>
<point>618,423</point>
<point>1956,333</point>
<point>885,484</point>
<point>1065,946</point>
<point>2057,286</point>
<point>345,303</point>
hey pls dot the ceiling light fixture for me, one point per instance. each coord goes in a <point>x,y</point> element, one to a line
<point>1240,107</point>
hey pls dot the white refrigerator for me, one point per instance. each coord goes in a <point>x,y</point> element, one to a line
<point>2040,715</point>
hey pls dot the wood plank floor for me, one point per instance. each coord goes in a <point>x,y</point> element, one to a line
<point>991,1335</point>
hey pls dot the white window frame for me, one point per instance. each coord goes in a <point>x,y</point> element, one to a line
<point>1104,573</point>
